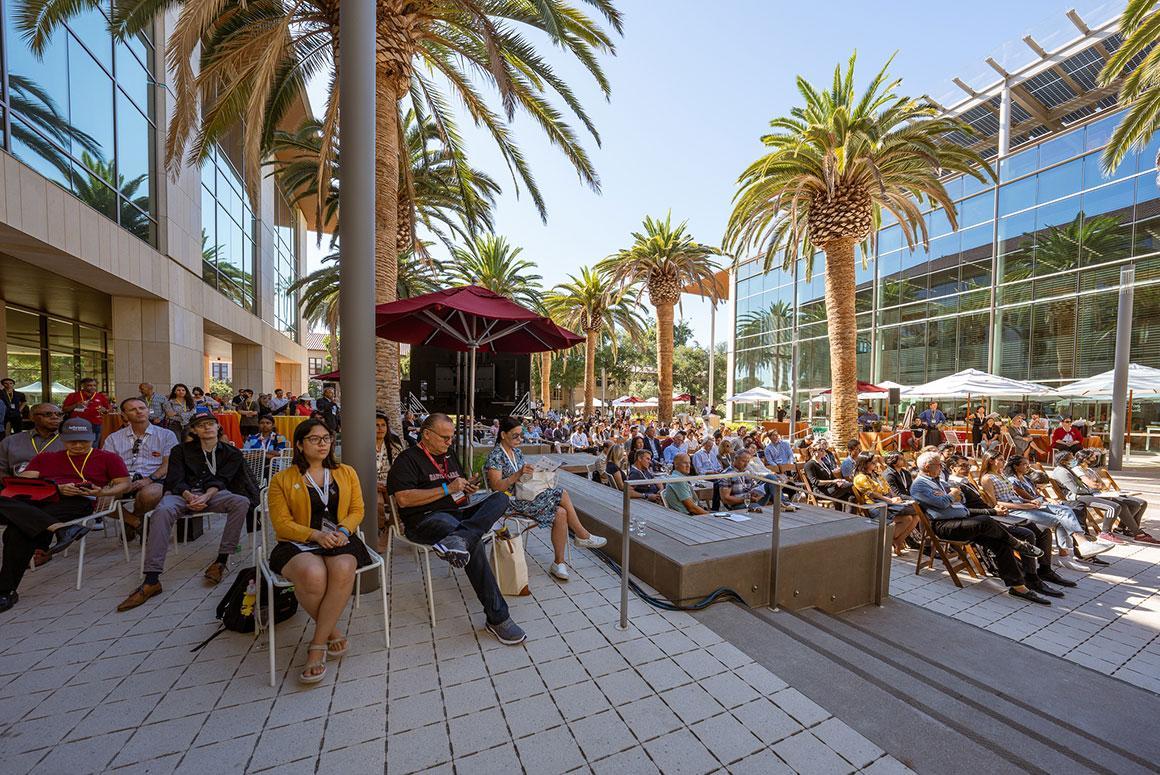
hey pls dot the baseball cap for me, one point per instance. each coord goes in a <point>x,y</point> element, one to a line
<point>201,413</point>
<point>76,429</point>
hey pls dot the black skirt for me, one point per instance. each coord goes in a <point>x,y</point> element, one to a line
<point>284,551</point>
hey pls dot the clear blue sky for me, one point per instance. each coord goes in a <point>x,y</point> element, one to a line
<point>694,85</point>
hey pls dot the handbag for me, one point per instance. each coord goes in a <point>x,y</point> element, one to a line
<point>31,490</point>
<point>510,566</point>
<point>528,487</point>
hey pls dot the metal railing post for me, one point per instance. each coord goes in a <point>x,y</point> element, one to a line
<point>879,561</point>
<point>776,547</point>
<point>625,540</point>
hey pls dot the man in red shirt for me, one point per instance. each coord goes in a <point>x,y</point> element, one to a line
<point>88,403</point>
<point>1066,438</point>
<point>82,474</point>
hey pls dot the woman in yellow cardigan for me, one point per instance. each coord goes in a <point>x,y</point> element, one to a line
<point>316,506</point>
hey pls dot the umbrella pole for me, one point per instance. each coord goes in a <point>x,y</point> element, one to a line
<point>471,415</point>
<point>1128,425</point>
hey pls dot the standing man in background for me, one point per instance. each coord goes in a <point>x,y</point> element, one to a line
<point>12,403</point>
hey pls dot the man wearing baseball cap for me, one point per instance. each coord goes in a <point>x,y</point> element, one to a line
<point>205,475</point>
<point>81,475</point>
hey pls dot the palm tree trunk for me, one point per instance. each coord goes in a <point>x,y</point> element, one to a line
<point>843,329</point>
<point>665,362</point>
<point>590,370</point>
<point>332,347</point>
<point>546,379</point>
<point>386,235</point>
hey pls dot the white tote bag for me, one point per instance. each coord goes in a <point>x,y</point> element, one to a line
<point>528,487</point>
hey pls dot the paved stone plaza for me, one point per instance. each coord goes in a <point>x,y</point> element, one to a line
<point>85,689</point>
<point>1109,623</point>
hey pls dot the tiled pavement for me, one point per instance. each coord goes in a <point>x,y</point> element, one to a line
<point>1109,623</point>
<point>85,689</point>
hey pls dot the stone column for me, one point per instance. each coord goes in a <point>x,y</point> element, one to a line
<point>253,367</point>
<point>156,341</point>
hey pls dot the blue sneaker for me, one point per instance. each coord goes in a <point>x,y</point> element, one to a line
<point>453,549</point>
<point>507,632</point>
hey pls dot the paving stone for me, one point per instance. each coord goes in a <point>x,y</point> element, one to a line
<point>418,749</point>
<point>761,679</point>
<point>185,702</point>
<point>288,744</point>
<point>767,721</point>
<point>624,686</point>
<point>639,651</point>
<point>580,700</point>
<point>301,706</point>
<point>359,694</point>
<point>477,732</point>
<point>553,750</point>
<point>602,735</point>
<point>680,752</point>
<point>634,761</point>
<point>663,674</point>
<point>888,765</point>
<point>413,680</point>
<point>499,759</point>
<point>367,758</point>
<point>531,714</point>
<point>355,727</point>
<point>649,718</point>
<point>417,711</point>
<point>851,745</point>
<point>518,684</point>
<point>691,703</point>
<point>806,754</point>
<point>469,697</point>
<point>153,741</point>
<point>89,755</point>
<point>112,717</point>
<point>729,690</point>
<point>225,756</point>
<point>761,763</point>
<point>726,737</point>
<point>806,711</point>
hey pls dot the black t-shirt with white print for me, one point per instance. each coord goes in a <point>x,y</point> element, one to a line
<point>415,470</point>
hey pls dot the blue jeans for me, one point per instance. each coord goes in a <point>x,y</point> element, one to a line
<point>470,524</point>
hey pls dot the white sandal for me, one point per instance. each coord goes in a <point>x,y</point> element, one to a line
<point>305,676</point>
<point>334,653</point>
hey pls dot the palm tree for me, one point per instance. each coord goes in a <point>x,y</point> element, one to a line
<point>129,208</point>
<point>592,304</point>
<point>255,59</point>
<point>495,264</point>
<point>1140,29</point>
<point>663,260</point>
<point>320,292</point>
<point>833,165</point>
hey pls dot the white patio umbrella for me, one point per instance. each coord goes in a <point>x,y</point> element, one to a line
<point>595,402</point>
<point>36,387</point>
<point>972,382</point>
<point>1142,380</point>
<point>756,395</point>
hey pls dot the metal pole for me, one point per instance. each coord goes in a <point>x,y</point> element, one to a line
<point>357,238</point>
<point>1005,120</point>
<point>712,346</point>
<point>625,539</point>
<point>793,364</point>
<point>1120,377</point>
<point>471,414</point>
<point>775,548</point>
<point>879,558</point>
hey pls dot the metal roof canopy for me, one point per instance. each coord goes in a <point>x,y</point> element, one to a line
<point>1051,74</point>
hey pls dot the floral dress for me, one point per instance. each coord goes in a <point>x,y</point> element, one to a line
<point>543,507</point>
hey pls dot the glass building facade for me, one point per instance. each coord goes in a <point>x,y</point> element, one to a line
<point>82,114</point>
<point>1026,287</point>
<point>284,240</point>
<point>227,230</point>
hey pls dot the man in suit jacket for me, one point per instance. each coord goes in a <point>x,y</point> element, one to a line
<point>12,403</point>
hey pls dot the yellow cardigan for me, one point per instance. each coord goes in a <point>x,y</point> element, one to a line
<point>289,501</point>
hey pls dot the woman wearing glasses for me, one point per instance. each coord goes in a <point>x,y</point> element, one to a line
<point>316,506</point>
<point>504,467</point>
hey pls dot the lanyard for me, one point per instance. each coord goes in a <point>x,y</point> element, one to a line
<point>36,449</point>
<point>211,461</point>
<point>512,460</point>
<point>266,442</point>
<point>79,471</point>
<point>444,469</point>
<point>324,490</point>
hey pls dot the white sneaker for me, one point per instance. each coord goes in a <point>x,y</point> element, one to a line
<point>1070,563</point>
<point>559,570</point>
<point>1092,548</point>
<point>591,542</point>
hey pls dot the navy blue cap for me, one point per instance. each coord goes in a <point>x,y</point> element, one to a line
<point>201,413</point>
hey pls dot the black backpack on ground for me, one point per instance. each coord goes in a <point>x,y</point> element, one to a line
<point>236,609</point>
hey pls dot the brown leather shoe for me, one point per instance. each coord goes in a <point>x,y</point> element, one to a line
<point>139,596</point>
<point>132,525</point>
<point>40,557</point>
<point>215,572</point>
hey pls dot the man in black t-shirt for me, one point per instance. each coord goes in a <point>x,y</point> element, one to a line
<point>432,495</point>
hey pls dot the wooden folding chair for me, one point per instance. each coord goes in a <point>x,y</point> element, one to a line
<point>955,555</point>
<point>799,472</point>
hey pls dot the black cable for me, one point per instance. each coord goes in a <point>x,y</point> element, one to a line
<point>716,596</point>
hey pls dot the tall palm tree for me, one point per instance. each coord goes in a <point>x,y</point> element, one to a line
<point>593,304</point>
<point>495,264</point>
<point>1140,29</point>
<point>833,165</point>
<point>255,59</point>
<point>663,259</point>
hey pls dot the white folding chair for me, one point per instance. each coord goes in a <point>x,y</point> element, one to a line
<point>274,580</point>
<point>173,533</point>
<point>106,507</point>
<point>256,462</point>
<point>395,533</point>
<point>280,463</point>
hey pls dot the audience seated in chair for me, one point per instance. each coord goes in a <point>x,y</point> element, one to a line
<point>145,449</point>
<point>679,496</point>
<point>871,489</point>
<point>81,474</point>
<point>17,449</point>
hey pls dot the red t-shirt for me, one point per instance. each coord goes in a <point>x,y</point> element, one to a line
<point>1061,436</point>
<point>92,411</point>
<point>100,467</point>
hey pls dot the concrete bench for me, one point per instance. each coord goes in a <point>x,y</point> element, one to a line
<point>827,558</point>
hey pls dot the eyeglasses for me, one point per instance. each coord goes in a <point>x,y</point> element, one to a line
<point>136,446</point>
<point>448,437</point>
<point>319,440</point>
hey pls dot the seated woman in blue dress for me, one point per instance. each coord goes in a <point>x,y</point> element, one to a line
<point>504,467</point>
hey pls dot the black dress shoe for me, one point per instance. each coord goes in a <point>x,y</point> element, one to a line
<point>1028,594</point>
<point>1028,549</point>
<point>1043,589</point>
<point>67,536</point>
<point>1055,578</point>
<point>8,600</point>
<point>1096,561</point>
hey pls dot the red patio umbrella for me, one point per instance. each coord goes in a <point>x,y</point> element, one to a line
<point>330,376</point>
<point>470,319</point>
<point>863,387</point>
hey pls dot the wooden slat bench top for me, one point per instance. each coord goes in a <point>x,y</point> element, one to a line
<point>590,496</point>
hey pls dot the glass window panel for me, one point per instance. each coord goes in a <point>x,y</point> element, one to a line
<point>1147,197</point>
<point>1059,148</point>
<point>1014,293</point>
<point>1094,175</point>
<point>1057,242</point>
<point>1145,337</point>
<point>972,185</point>
<point>938,223</point>
<point>1105,238</point>
<point>1064,180</point>
<point>134,154</point>
<point>92,28</point>
<point>1056,285</point>
<point>32,149</point>
<point>974,342</point>
<point>38,86</point>
<point>977,242</point>
<point>1018,164</point>
<point>888,354</point>
<point>1146,237</point>
<point>1017,232</point>
<point>914,258</point>
<point>911,312</point>
<point>1053,332</point>
<point>1097,133</point>
<point>133,78</point>
<point>942,344</point>
<point>1014,326</point>
<point>1017,196</point>
<point>944,250</point>
<point>889,317</point>
<point>975,300</point>
<point>954,187</point>
<point>912,354</point>
<point>975,274</point>
<point>1096,335</point>
<point>91,110</point>
<point>976,210</point>
<point>944,282</point>
<point>1100,278</point>
<point>1115,198</point>
<point>93,191</point>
